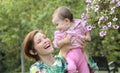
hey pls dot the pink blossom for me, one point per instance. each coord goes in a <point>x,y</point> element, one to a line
<point>109,24</point>
<point>117,0</point>
<point>106,18</point>
<point>115,26</point>
<point>113,1</point>
<point>99,22</point>
<point>88,1</point>
<point>89,27</point>
<point>118,3</point>
<point>83,16</point>
<point>115,19</point>
<point>101,18</point>
<point>112,10</point>
<point>102,33</point>
<point>96,8</point>
<point>87,10</point>
<point>105,27</point>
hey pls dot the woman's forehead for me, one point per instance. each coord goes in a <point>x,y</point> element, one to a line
<point>38,35</point>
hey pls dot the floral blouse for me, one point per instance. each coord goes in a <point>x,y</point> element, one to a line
<point>57,67</point>
<point>93,65</point>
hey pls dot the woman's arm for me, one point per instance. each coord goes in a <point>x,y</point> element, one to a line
<point>88,37</point>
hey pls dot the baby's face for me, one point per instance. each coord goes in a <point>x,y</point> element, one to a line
<point>60,24</point>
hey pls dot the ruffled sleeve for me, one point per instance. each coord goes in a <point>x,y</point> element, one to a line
<point>57,36</point>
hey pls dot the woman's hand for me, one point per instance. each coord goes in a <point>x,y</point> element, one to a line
<point>82,42</point>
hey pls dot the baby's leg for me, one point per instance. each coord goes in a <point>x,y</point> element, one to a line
<point>82,65</point>
<point>76,61</point>
<point>71,67</point>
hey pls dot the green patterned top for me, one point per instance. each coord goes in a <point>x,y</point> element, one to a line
<point>57,67</point>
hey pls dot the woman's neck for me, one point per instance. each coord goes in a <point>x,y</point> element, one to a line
<point>47,59</point>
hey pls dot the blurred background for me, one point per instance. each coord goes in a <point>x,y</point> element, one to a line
<point>18,17</point>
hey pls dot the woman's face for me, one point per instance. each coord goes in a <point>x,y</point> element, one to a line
<point>42,44</point>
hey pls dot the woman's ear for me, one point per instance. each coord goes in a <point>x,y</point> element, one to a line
<point>33,53</point>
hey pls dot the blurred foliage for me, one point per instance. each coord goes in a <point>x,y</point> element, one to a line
<point>100,14</point>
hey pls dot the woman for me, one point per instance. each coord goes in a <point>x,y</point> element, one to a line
<point>39,47</point>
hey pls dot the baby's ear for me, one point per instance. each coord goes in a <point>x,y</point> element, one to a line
<point>33,53</point>
<point>67,20</point>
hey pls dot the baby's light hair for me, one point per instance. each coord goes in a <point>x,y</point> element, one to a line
<point>64,12</point>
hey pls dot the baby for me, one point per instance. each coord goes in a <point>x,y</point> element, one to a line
<point>75,28</point>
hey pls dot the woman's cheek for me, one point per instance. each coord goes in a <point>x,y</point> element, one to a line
<point>39,46</point>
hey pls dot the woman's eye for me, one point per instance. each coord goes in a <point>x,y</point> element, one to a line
<point>45,37</point>
<point>38,41</point>
<point>56,24</point>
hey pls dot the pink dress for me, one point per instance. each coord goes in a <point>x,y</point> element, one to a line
<point>75,57</point>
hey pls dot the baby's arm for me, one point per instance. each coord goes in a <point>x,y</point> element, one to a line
<point>61,39</point>
<point>66,47</point>
<point>66,40</point>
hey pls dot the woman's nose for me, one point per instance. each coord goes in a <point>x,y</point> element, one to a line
<point>45,41</point>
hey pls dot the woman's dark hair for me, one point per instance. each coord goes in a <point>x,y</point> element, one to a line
<point>28,44</point>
